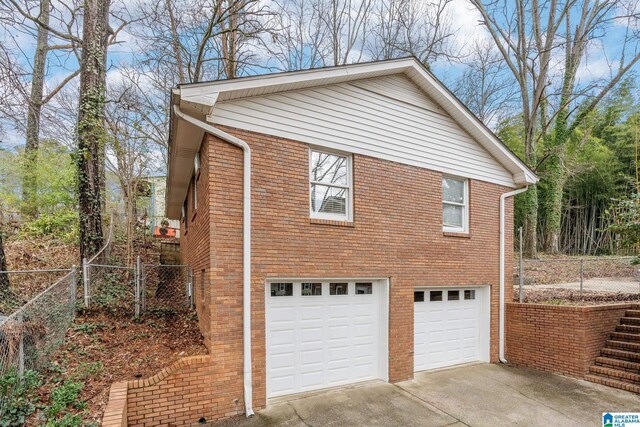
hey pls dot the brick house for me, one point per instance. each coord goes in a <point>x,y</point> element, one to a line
<point>344,224</point>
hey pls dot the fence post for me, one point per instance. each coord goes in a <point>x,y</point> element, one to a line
<point>581,275</point>
<point>74,283</point>
<point>85,281</point>
<point>521,274</point>
<point>137,282</point>
<point>20,344</point>
<point>143,289</point>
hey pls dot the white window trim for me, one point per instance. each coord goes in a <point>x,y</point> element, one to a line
<point>196,164</point>
<point>465,206</point>
<point>195,194</point>
<point>348,216</point>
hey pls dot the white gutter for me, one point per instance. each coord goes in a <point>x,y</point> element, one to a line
<point>503,197</point>
<point>246,247</point>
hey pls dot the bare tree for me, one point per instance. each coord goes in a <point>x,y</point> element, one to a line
<point>346,25</point>
<point>428,31</point>
<point>13,88</point>
<point>593,19</point>
<point>29,183</point>
<point>199,40</point>
<point>528,34</point>
<point>483,85</point>
<point>386,29</point>
<point>129,151</point>
<point>526,40</point>
<point>42,25</point>
<point>297,41</point>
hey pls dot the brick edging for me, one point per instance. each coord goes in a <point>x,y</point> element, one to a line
<point>164,373</point>
<point>115,414</point>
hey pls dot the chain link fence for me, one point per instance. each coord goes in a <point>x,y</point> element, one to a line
<point>594,279</point>
<point>19,286</point>
<point>166,289</point>
<point>32,333</point>
<point>111,288</point>
<point>132,291</point>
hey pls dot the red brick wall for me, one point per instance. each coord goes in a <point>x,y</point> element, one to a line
<point>561,339</point>
<point>195,242</point>
<point>180,395</point>
<point>396,233</point>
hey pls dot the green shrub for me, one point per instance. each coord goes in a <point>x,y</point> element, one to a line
<point>17,396</point>
<point>63,397</point>
<point>62,225</point>
<point>87,370</point>
<point>69,420</point>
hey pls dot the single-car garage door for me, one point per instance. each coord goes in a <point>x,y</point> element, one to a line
<point>324,333</point>
<point>451,327</point>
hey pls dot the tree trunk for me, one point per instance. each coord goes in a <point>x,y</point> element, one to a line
<point>530,197</point>
<point>556,175</point>
<point>91,133</point>
<point>29,183</point>
<point>175,42</point>
<point>4,278</point>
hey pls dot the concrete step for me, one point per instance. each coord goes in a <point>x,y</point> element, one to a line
<point>623,345</point>
<point>624,365</point>
<point>615,353</point>
<point>632,313</point>
<point>609,382</point>
<point>630,329</point>
<point>625,336</point>
<point>630,321</point>
<point>618,374</point>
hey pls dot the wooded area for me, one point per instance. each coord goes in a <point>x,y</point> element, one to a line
<point>85,85</point>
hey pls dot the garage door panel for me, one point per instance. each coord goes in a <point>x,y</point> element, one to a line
<point>311,312</point>
<point>328,340</point>
<point>446,332</point>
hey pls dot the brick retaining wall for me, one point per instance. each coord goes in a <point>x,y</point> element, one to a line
<point>181,394</point>
<point>560,339</point>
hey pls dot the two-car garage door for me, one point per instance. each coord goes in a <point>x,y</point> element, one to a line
<point>328,333</point>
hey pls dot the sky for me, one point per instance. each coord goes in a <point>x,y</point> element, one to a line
<point>466,23</point>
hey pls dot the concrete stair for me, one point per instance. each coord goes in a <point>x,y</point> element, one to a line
<point>618,365</point>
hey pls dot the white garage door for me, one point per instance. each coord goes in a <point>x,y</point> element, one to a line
<point>323,334</point>
<point>450,327</point>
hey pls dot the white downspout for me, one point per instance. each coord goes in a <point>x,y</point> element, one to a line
<point>246,248</point>
<point>503,197</point>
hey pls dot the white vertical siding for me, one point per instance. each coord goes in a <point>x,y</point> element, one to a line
<point>387,117</point>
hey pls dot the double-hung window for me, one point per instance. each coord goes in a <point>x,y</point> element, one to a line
<point>330,185</point>
<point>455,204</point>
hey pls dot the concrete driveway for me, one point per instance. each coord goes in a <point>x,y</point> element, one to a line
<point>472,395</point>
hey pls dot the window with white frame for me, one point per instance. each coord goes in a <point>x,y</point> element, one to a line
<point>455,204</point>
<point>330,185</point>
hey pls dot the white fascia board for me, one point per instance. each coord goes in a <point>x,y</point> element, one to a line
<point>521,173</point>
<point>350,72</point>
<point>199,103</point>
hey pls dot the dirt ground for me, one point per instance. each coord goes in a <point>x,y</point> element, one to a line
<point>573,297</point>
<point>562,269</point>
<point>556,280</point>
<point>116,349</point>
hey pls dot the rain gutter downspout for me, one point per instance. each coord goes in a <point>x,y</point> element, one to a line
<point>503,198</point>
<point>246,247</point>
